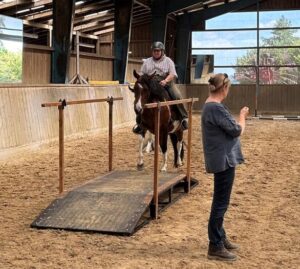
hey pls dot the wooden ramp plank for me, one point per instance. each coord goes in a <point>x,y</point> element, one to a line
<point>105,212</point>
<point>113,203</point>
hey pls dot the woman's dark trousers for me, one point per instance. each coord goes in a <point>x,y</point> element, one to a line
<point>223,182</point>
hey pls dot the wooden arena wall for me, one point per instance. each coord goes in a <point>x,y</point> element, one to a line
<point>272,99</point>
<point>23,121</point>
<point>36,67</point>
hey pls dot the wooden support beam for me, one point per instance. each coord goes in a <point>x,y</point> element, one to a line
<point>142,4</point>
<point>159,20</point>
<point>63,14</point>
<point>183,42</point>
<point>123,19</point>
<point>177,5</point>
<point>13,4</point>
<point>94,17</point>
<point>205,14</point>
<point>102,32</point>
<point>107,21</point>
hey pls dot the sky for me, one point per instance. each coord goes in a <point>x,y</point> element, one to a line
<point>11,23</point>
<point>245,38</point>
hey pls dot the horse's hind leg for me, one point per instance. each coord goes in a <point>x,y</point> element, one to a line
<point>140,164</point>
<point>150,143</point>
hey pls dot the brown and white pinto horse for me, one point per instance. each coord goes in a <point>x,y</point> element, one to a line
<point>148,90</point>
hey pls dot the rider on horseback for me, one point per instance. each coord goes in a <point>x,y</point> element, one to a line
<point>164,69</point>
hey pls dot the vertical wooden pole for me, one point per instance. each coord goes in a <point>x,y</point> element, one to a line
<point>156,152</point>
<point>110,135</point>
<point>188,172</point>
<point>77,53</point>
<point>61,147</point>
<point>98,47</point>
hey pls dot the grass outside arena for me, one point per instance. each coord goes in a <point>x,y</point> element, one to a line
<point>263,216</point>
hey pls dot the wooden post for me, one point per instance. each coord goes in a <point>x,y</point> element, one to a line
<point>156,152</point>
<point>110,135</point>
<point>188,172</point>
<point>61,146</point>
<point>77,53</point>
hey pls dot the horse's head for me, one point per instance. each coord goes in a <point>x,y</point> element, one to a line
<point>141,90</point>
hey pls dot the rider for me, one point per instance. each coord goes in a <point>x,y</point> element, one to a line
<point>164,69</point>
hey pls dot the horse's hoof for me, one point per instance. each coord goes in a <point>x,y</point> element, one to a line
<point>163,170</point>
<point>140,167</point>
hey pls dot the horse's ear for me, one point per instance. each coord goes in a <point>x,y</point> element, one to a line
<point>152,76</point>
<point>136,75</point>
<point>130,88</point>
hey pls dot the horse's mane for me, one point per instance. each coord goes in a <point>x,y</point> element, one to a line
<point>157,91</point>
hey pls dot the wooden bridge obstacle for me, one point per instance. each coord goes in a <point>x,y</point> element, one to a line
<point>119,202</point>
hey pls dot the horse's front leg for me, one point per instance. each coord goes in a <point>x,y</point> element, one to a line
<point>140,164</point>
<point>179,149</point>
<point>179,146</point>
<point>164,148</point>
<point>149,147</point>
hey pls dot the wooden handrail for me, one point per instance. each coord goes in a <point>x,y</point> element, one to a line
<point>61,105</point>
<point>170,103</point>
<point>77,102</point>
<point>157,109</point>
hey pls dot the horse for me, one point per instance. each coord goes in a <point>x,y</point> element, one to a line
<point>148,90</point>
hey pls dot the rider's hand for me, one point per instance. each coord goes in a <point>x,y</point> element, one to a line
<point>163,83</point>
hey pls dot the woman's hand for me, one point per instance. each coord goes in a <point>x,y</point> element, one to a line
<point>243,115</point>
<point>244,112</point>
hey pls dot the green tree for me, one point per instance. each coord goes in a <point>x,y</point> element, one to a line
<point>10,66</point>
<point>269,56</point>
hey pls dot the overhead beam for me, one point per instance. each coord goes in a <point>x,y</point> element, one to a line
<point>94,25</point>
<point>44,4</point>
<point>13,4</point>
<point>110,30</point>
<point>123,19</point>
<point>209,13</point>
<point>94,17</point>
<point>142,4</point>
<point>86,35</point>
<point>37,25</point>
<point>63,15</point>
<point>177,5</point>
<point>100,26</point>
<point>91,7</point>
<point>44,14</point>
<point>183,40</point>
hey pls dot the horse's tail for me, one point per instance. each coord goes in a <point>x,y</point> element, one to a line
<point>174,140</point>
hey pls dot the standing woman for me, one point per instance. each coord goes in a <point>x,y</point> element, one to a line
<point>222,152</point>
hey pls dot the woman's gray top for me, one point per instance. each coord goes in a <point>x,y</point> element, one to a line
<point>220,137</point>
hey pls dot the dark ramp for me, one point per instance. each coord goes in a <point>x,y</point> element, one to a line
<point>115,203</point>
